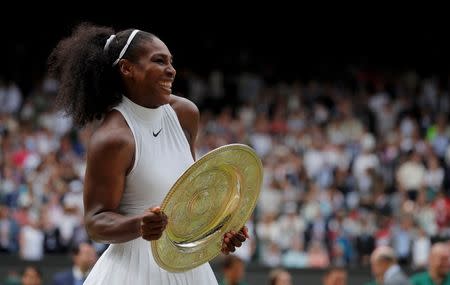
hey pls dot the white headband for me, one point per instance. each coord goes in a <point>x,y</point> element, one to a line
<point>124,49</point>
<point>108,42</point>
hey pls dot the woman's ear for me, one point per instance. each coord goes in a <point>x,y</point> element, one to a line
<point>126,68</point>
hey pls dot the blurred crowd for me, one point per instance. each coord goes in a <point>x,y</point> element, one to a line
<point>349,165</point>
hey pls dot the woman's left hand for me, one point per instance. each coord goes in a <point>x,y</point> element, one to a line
<point>233,239</point>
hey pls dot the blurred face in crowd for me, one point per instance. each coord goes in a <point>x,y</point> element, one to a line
<point>336,277</point>
<point>381,259</point>
<point>440,260</point>
<point>378,267</point>
<point>31,277</point>
<point>86,257</point>
<point>283,278</point>
<point>235,272</point>
<point>3,212</point>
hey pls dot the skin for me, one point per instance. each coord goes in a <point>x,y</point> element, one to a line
<point>85,258</point>
<point>439,262</point>
<point>284,278</point>
<point>235,273</point>
<point>111,152</point>
<point>31,277</point>
<point>336,277</point>
<point>378,265</point>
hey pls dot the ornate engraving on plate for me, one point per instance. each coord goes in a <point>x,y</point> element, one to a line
<point>216,194</point>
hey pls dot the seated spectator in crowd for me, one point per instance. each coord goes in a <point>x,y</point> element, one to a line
<point>9,231</point>
<point>296,256</point>
<point>84,257</point>
<point>335,276</point>
<point>32,276</point>
<point>420,250</point>
<point>438,269</point>
<point>280,277</point>
<point>318,256</point>
<point>13,277</point>
<point>233,271</point>
<point>385,268</point>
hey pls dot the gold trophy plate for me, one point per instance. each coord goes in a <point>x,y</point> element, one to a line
<point>215,195</point>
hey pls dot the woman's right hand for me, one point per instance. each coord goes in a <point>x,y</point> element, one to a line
<point>153,223</point>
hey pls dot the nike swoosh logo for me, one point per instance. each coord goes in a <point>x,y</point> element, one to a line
<point>155,135</point>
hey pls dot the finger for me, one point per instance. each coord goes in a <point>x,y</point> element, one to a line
<point>244,230</point>
<point>165,218</point>
<point>225,251</point>
<point>156,209</point>
<point>152,227</point>
<point>156,230</point>
<point>152,234</point>
<point>236,242</point>
<point>152,218</point>
<point>151,237</point>
<point>229,246</point>
<point>226,248</point>
<point>240,237</point>
<point>228,235</point>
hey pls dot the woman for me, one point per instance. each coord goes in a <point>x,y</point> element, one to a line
<point>145,141</point>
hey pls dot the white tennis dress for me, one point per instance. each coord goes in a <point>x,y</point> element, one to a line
<point>162,154</point>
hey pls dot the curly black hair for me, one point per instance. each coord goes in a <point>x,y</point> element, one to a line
<point>89,83</point>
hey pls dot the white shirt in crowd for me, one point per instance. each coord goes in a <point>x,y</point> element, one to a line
<point>32,243</point>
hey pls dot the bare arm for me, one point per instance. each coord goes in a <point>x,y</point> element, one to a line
<point>110,156</point>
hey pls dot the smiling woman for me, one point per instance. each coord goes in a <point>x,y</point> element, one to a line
<point>145,141</point>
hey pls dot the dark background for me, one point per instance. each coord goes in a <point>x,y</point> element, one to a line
<point>283,42</point>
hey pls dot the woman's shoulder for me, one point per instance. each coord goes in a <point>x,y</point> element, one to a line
<point>183,106</point>
<point>112,134</point>
<point>188,116</point>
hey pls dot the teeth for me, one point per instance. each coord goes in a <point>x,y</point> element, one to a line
<point>166,84</point>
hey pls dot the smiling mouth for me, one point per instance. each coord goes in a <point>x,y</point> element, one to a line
<point>166,85</point>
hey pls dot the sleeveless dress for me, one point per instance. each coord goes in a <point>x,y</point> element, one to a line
<point>162,154</point>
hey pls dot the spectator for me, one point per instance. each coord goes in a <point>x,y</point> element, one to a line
<point>402,238</point>
<point>317,255</point>
<point>233,271</point>
<point>12,278</point>
<point>31,276</point>
<point>438,269</point>
<point>365,243</point>
<point>335,276</point>
<point>295,257</point>
<point>410,176</point>
<point>9,231</point>
<point>10,97</point>
<point>31,241</point>
<point>420,250</point>
<point>385,268</point>
<point>280,277</point>
<point>84,257</point>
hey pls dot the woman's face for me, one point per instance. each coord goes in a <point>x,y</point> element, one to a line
<point>152,76</point>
